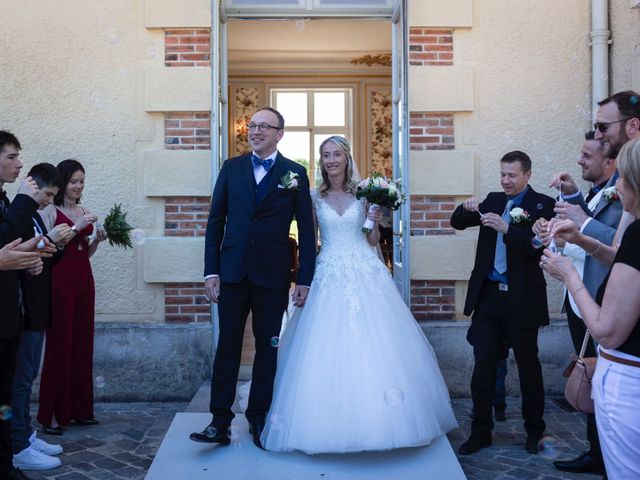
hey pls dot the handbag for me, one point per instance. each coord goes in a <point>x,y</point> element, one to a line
<point>579,373</point>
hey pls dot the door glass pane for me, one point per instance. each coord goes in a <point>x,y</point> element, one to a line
<point>293,107</point>
<point>295,145</point>
<point>329,109</point>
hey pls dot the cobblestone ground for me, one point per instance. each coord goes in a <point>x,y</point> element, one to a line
<point>129,434</point>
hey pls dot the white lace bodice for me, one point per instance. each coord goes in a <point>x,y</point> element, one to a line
<point>344,248</point>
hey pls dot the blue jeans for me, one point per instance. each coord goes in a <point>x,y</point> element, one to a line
<point>27,366</point>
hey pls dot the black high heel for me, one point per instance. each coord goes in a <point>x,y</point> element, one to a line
<point>52,430</point>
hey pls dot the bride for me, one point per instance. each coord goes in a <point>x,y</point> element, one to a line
<point>355,372</point>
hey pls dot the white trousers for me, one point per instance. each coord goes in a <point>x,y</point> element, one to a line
<point>616,392</point>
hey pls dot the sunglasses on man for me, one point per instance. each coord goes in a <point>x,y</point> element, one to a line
<point>604,126</point>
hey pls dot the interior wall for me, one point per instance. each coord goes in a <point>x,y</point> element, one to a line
<point>312,54</point>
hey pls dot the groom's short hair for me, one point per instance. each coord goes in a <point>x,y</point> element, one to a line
<point>276,113</point>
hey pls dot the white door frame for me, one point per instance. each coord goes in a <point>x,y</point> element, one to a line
<point>219,126</point>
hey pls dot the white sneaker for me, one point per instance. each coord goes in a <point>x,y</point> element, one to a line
<point>44,447</point>
<point>32,459</point>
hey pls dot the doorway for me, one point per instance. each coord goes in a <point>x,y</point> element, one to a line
<point>327,76</point>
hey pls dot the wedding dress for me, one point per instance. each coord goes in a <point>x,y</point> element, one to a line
<point>355,372</point>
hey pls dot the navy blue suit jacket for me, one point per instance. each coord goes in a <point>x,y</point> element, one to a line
<point>250,239</point>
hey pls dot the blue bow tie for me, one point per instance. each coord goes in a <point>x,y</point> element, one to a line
<point>267,163</point>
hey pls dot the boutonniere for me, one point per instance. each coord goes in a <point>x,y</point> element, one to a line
<point>289,181</point>
<point>610,194</point>
<point>519,215</point>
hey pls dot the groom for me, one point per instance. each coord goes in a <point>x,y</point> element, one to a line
<point>248,267</point>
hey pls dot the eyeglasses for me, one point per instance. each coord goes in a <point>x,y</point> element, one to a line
<point>261,127</point>
<point>603,127</point>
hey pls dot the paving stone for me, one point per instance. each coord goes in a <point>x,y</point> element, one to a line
<point>73,476</point>
<point>122,446</point>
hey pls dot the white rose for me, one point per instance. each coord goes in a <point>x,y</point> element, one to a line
<point>293,183</point>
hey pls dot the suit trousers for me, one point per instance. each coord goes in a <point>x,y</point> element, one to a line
<point>8,351</point>
<point>492,325</point>
<point>577,330</point>
<point>267,306</point>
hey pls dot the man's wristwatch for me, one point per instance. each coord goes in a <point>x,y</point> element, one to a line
<point>74,229</point>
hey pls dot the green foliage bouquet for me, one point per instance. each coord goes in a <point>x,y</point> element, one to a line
<point>117,228</point>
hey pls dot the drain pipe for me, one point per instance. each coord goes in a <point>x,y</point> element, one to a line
<point>599,52</point>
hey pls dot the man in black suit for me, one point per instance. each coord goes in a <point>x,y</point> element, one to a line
<point>507,295</point>
<point>15,222</point>
<point>247,266</point>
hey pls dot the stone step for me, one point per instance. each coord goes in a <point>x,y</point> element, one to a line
<point>181,459</point>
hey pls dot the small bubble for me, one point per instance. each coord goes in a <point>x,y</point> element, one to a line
<point>6,413</point>
<point>210,431</point>
<point>137,236</point>
<point>394,397</point>
<point>100,382</point>
<point>548,448</point>
<point>275,342</point>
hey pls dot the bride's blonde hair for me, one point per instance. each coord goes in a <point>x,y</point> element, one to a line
<point>351,171</point>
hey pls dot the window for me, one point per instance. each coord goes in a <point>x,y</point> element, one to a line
<point>312,115</point>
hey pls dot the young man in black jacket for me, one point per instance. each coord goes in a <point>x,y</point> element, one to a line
<point>30,452</point>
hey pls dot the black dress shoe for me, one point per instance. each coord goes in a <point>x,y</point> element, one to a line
<point>86,421</point>
<point>474,444</point>
<point>532,445</point>
<point>58,430</point>
<point>585,463</point>
<point>256,427</point>
<point>211,435</point>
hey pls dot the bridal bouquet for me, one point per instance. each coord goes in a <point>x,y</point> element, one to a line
<point>379,191</point>
<point>117,228</point>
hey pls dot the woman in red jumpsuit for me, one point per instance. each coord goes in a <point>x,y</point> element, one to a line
<point>66,385</point>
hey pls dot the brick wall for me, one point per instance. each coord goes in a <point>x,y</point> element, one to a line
<point>433,299</point>
<point>430,215</point>
<point>185,303</point>
<point>187,48</point>
<point>187,131</point>
<point>431,131</point>
<point>186,216</point>
<point>429,46</point>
